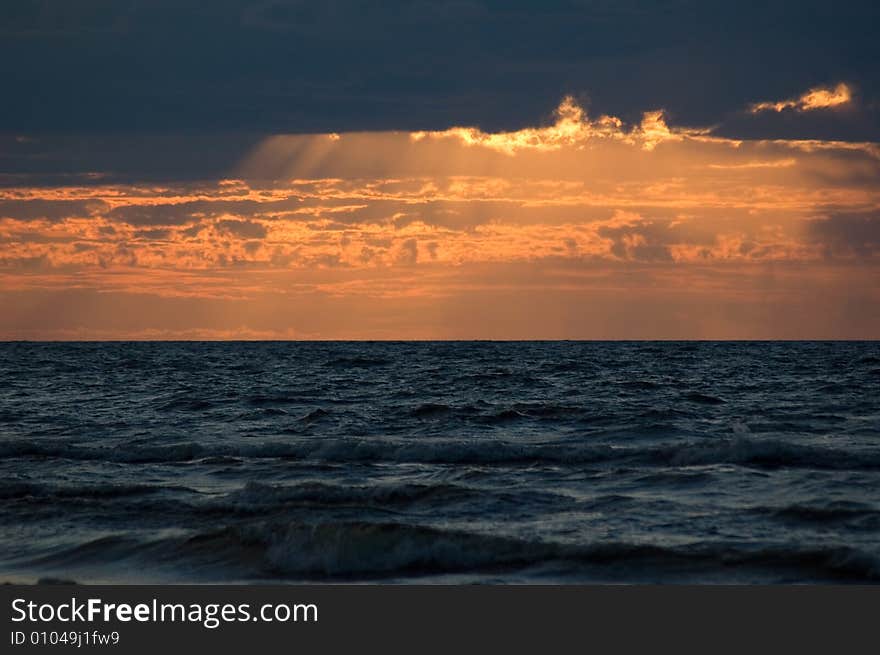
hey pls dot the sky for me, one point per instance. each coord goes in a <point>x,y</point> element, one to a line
<point>439,170</point>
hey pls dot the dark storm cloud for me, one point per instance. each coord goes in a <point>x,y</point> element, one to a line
<point>106,155</point>
<point>856,122</point>
<point>281,66</point>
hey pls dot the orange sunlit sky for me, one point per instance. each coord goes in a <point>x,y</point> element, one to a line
<point>583,227</point>
<point>569,170</point>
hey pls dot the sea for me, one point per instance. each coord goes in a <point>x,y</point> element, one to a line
<point>440,462</point>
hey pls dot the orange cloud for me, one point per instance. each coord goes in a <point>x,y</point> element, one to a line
<point>572,129</point>
<point>819,97</point>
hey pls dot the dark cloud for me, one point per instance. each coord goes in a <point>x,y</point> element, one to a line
<point>146,215</point>
<point>193,231</point>
<point>858,122</point>
<point>109,66</point>
<point>326,260</point>
<point>645,241</point>
<point>25,264</point>
<point>55,157</point>
<point>848,234</point>
<point>56,18</point>
<point>243,229</point>
<point>50,210</point>
<point>408,253</point>
<point>182,213</point>
<point>34,236</point>
<point>152,235</point>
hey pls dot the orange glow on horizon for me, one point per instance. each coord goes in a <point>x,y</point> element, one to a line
<point>581,208</point>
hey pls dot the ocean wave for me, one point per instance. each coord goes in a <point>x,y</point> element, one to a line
<point>703,398</point>
<point>426,410</point>
<point>639,385</point>
<point>314,415</point>
<point>824,513</point>
<point>361,550</point>
<point>745,451</point>
<point>186,403</point>
<point>12,490</point>
<point>545,410</point>
<point>675,478</point>
<point>264,399</point>
<point>768,453</point>
<point>261,414</point>
<point>259,495</point>
<point>486,413</point>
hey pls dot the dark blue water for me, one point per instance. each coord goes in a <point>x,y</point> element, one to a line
<point>440,462</point>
